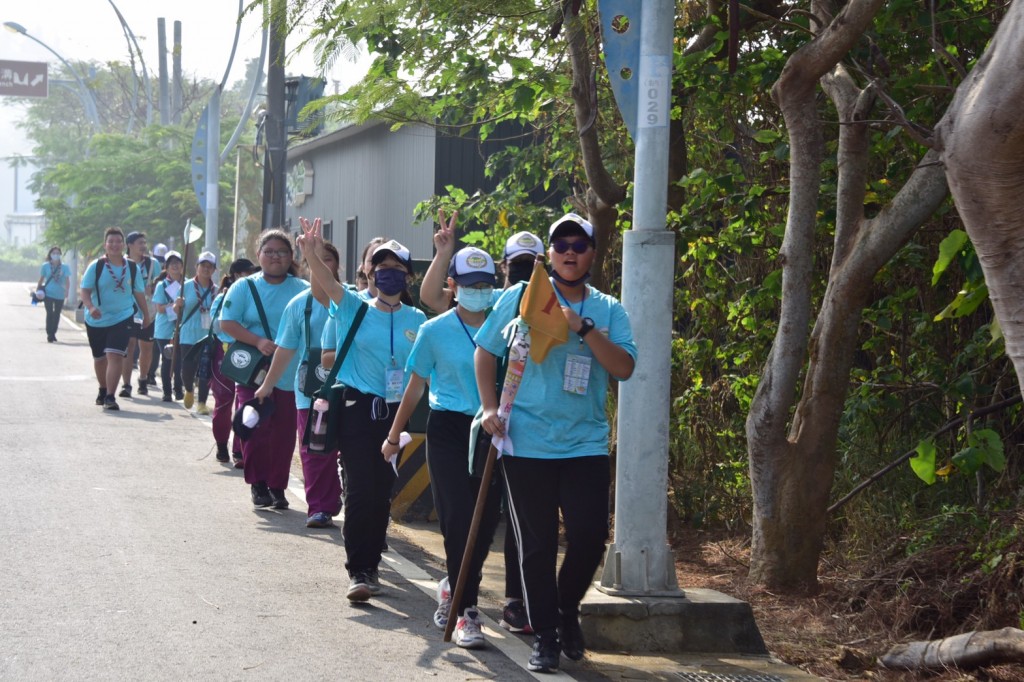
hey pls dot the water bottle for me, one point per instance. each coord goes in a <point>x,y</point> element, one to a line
<point>203,371</point>
<point>318,430</point>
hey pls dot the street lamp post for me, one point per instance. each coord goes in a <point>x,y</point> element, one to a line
<point>88,101</point>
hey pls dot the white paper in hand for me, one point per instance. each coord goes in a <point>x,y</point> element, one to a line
<point>403,439</point>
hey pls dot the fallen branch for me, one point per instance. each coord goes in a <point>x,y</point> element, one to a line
<point>969,650</point>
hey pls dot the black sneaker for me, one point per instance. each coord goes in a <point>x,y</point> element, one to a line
<point>143,388</point>
<point>179,394</point>
<point>222,452</point>
<point>126,391</point>
<point>514,619</point>
<point>571,636</point>
<point>109,403</point>
<point>261,498</point>
<point>359,588</point>
<point>101,396</point>
<point>544,658</point>
<point>280,501</point>
<point>373,582</point>
<point>167,398</point>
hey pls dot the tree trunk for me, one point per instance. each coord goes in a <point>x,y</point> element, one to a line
<point>982,142</point>
<point>792,468</point>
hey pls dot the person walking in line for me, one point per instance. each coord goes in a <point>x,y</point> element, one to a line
<point>517,265</point>
<point>141,341</point>
<point>223,387</point>
<point>555,450</point>
<point>267,452</point>
<point>118,290</point>
<point>298,353</point>
<point>195,327</point>
<point>442,356</point>
<point>168,307</point>
<point>375,378</point>
<point>55,281</point>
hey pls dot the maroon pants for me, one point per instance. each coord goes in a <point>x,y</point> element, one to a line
<point>323,484</point>
<point>223,390</point>
<point>267,452</point>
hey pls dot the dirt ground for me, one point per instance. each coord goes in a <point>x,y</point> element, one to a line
<point>859,612</point>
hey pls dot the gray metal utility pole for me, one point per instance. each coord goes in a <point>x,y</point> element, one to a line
<point>640,561</point>
<point>161,46</point>
<point>177,93</point>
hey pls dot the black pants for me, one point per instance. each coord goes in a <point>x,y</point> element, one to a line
<point>368,477</point>
<point>537,490</point>
<point>53,307</point>
<point>455,493</point>
<point>189,366</point>
<point>165,367</point>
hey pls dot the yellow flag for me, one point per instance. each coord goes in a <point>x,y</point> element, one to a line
<point>541,311</point>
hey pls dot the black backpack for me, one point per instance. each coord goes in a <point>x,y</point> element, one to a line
<point>101,265</point>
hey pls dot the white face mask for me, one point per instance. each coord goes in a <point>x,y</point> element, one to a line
<point>55,256</point>
<point>475,300</point>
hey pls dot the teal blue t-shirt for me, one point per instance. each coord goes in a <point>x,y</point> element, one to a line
<point>116,299</point>
<point>240,307</point>
<point>443,354</point>
<point>218,305</point>
<point>55,280</point>
<point>548,422</point>
<point>195,325</point>
<point>381,337</point>
<point>292,335</point>
<point>165,294</point>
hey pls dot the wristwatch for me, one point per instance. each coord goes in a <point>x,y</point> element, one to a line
<point>585,327</point>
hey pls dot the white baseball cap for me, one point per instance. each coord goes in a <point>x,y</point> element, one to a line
<point>160,251</point>
<point>471,266</point>
<point>569,223</point>
<point>395,249</point>
<point>207,257</point>
<point>172,254</point>
<point>523,243</point>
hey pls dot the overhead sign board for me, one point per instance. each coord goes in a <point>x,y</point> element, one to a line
<point>23,79</point>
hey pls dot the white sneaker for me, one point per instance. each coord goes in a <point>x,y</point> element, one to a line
<point>468,631</point>
<point>444,604</point>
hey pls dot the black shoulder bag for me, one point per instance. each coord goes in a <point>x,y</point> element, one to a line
<point>243,363</point>
<point>334,394</point>
<point>311,372</point>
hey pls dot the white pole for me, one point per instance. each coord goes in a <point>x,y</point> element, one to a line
<point>640,561</point>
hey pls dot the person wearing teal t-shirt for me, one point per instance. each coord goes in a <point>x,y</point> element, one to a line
<point>267,452</point>
<point>222,387</point>
<point>195,328</point>
<point>298,347</point>
<point>443,356</point>
<point>55,281</point>
<point>168,306</point>
<point>555,454</point>
<point>118,292</point>
<point>374,376</point>
<point>149,270</point>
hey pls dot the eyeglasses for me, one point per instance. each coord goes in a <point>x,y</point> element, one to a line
<point>561,246</point>
<point>279,253</point>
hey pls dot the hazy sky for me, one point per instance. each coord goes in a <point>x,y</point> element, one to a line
<point>90,29</point>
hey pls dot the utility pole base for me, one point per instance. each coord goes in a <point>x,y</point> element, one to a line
<point>700,621</point>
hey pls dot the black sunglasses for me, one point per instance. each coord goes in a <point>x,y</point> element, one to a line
<point>561,246</point>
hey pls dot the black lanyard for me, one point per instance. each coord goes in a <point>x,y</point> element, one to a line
<point>465,329</point>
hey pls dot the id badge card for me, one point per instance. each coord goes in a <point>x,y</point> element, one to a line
<point>394,379</point>
<point>207,320</point>
<point>576,378</point>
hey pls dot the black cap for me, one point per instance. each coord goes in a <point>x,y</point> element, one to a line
<point>263,409</point>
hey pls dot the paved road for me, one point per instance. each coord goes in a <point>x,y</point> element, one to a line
<point>128,552</point>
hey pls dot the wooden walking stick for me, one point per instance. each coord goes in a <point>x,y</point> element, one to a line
<point>192,234</point>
